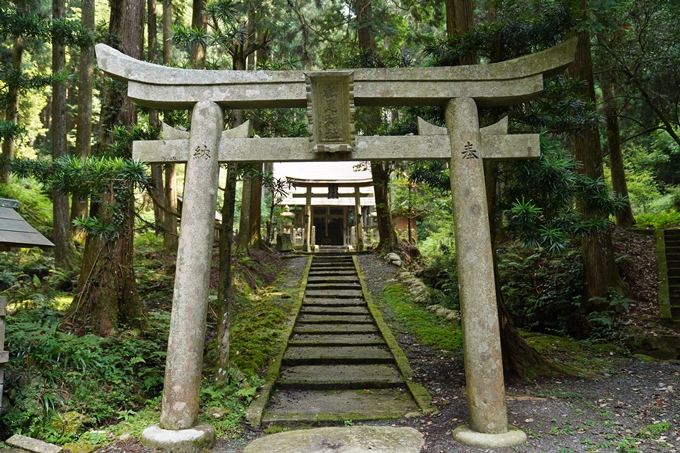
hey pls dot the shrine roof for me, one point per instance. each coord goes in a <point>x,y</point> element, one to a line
<point>15,231</point>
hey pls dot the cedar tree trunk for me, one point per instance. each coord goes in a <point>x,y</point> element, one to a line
<point>597,249</point>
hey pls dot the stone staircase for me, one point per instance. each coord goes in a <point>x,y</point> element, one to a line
<point>672,240</point>
<point>337,366</point>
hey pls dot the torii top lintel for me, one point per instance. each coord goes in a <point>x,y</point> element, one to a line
<point>503,83</point>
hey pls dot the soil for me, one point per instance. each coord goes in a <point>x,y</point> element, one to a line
<point>622,409</point>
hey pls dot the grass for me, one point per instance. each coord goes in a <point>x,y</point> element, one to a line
<point>429,328</point>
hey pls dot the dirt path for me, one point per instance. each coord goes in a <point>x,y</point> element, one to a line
<point>623,411</point>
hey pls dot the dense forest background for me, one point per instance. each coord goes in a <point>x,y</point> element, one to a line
<point>610,134</point>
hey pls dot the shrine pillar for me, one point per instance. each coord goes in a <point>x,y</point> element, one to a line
<point>487,412</point>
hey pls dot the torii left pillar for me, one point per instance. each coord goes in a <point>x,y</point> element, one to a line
<point>179,411</point>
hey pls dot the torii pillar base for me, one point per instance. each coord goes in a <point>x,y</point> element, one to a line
<point>192,440</point>
<point>512,438</point>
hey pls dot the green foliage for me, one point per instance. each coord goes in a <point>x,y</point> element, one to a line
<point>429,328</point>
<point>51,372</point>
<point>541,291</point>
<point>658,220</point>
<point>35,204</point>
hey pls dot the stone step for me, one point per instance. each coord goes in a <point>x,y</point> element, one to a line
<point>290,407</point>
<point>333,377</point>
<point>356,339</point>
<point>334,355</point>
<point>305,328</point>
<point>333,279</point>
<point>675,312</point>
<point>335,319</point>
<point>337,293</point>
<point>332,302</point>
<point>330,273</point>
<point>333,310</point>
<point>333,287</point>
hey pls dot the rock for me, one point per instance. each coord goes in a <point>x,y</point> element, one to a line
<point>355,439</point>
<point>442,311</point>
<point>453,315</point>
<point>393,258</point>
<point>217,412</point>
<point>69,423</point>
<point>433,307</point>
<point>32,445</point>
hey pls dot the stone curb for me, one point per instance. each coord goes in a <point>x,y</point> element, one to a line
<point>259,403</point>
<point>32,445</point>
<point>419,393</point>
<point>355,439</point>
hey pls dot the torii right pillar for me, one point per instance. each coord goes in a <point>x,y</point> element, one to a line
<point>488,419</point>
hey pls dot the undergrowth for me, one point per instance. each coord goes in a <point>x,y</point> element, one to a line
<point>85,390</point>
<point>430,329</point>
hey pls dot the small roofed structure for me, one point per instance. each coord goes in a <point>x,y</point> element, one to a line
<point>338,197</point>
<point>15,232</point>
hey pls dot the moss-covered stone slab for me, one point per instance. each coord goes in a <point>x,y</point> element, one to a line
<point>333,279</point>
<point>337,339</point>
<point>333,286</point>
<point>298,407</point>
<point>311,355</point>
<point>335,293</point>
<point>335,319</point>
<point>334,310</point>
<point>335,328</point>
<point>330,271</point>
<point>332,301</point>
<point>355,439</point>
<point>370,376</point>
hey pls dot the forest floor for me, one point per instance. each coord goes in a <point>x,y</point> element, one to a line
<point>626,404</point>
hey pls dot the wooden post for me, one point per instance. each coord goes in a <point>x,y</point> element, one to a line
<point>308,220</point>
<point>357,215</point>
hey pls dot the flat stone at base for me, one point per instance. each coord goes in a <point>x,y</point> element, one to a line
<point>33,445</point>
<point>512,438</point>
<point>355,439</point>
<point>191,440</point>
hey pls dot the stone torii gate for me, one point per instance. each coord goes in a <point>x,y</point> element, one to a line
<point>330,98</point>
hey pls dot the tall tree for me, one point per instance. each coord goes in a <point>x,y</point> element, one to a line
<point>63,245</point>
<point>107,290</point>
<point>601,274</point>
<point>170,237</point>
<point>624,217</point>
<point>156,169</point>
<point>459,20</point>
<point>84,118</point>
<point>12,100</point>
<point>199,22</point>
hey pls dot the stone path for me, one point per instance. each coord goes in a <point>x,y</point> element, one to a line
<point>337,367</point>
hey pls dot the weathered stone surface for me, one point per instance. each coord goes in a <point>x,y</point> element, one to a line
<point>33,445</point>
<point>348,294</point>
<point>318,406</point>
<point>327,301</point>
<point>493,84</point>
<point>335,319</point>
<point>341,376</point>
<point>511,438</point>
<point>333,279</point>
<point>329,340</point>
<point>355,439</point>
<point>333,328</point>
<point>283,243</point>
<point>194,440</point>
<point>338,354</point>
<point>334,310</point>
<point>481,333</point>
<point>192,279</point>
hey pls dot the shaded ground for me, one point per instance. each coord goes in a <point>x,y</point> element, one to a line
<point>634,405</point>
